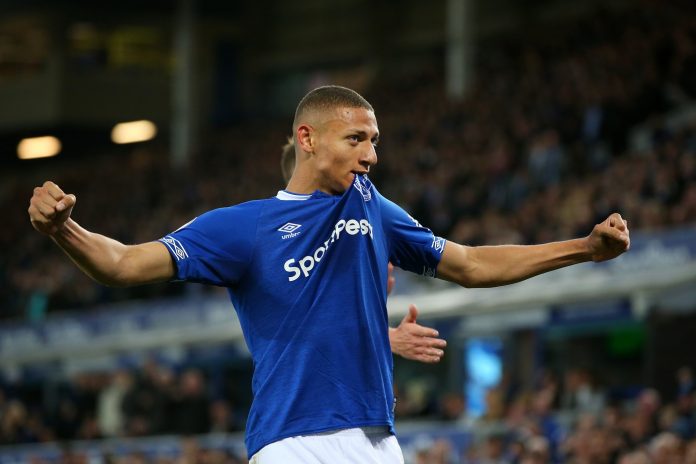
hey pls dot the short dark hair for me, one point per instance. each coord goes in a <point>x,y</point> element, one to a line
<point>287,160</point>
<point>329,97</point>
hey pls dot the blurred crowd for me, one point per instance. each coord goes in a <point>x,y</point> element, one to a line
<point>539,149</point>
<point>186,450</point>
<point>572,420</point>
<point>154,400</point>
<point>566,418</point>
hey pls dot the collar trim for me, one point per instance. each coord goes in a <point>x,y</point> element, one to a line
<point>287,196</point>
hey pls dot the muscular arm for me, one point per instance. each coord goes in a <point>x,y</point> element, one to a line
<point>112,263</point>
<point>105,260</point>
<point>490,266</point>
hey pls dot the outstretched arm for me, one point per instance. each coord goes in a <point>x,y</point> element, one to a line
<point>491,266</point>
<point>105,260</point>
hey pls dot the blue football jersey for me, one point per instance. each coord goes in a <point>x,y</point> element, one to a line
<point>307,275</point>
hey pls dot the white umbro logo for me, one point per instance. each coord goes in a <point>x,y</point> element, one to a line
<point>290,227</point>
<point>438,244</point>
<point>289,230</point>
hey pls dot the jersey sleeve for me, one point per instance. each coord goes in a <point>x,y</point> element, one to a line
<point>216,247</point>
<point>412,247</point>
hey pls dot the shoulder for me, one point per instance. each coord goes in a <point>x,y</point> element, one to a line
<point>247,208</point>
<point>236,216</point>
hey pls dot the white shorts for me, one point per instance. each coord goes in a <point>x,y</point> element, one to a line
<point>365,445</point>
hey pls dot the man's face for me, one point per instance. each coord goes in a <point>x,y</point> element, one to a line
<point>345,147</point>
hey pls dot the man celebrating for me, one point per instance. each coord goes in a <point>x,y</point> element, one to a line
<point>409,339</point>
<point>307,273</point>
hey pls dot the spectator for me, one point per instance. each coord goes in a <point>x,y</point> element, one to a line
<point>665,449</point>
<point>110,413</point>
<point>191,409</point>
<point>580,393</point>
<point>635,457</point>
<point>146,404</point>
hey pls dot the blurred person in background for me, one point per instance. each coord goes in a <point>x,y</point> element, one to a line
<point>110,414</point>
<point>425,450</point>
<point>647,407</point>
<point>191,410</point>
<point>690,452</point>
<point>580,393</point>
<point>452,406</point>
<point>536,451</point>
<point>665,448</point>
<point>317,369</point>
<point>635,457</point>
<point>494,450</point>
<point>66,421</point>
<point>147,403</point>
<point>685,381</point>
<point>13,423</point>
<point>190,451</point>
<point>685,423</point>
<point>223,418</point>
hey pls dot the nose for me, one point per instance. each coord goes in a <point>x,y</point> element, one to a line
<point>369,158</point>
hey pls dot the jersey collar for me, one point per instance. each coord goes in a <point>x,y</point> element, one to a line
<point>289,196</point>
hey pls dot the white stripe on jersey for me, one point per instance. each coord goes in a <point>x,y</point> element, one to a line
<point>287,196</point>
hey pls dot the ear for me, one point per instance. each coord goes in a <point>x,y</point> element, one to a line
<point>306,137</point>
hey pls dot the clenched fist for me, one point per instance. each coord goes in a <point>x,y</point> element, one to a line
<point>610,238</point>
<point>49,208</point>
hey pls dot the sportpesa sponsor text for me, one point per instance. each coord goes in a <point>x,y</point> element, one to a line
<point>304,265</point>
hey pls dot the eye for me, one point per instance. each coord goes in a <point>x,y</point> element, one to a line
<point>375,142</point>
<point>354,138</point>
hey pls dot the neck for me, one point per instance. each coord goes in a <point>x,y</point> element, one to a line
<point>296,186</point>
<point>305,181</point>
